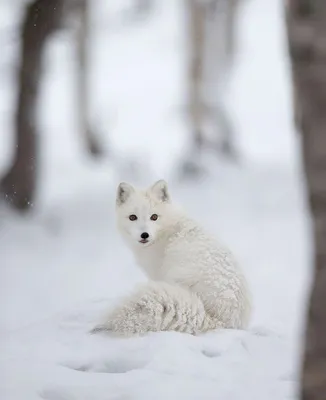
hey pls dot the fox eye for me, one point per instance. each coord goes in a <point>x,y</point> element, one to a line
<point>154,217</point>
<point>133,217</point>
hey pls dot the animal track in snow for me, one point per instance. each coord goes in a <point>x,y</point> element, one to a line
<point>211,353</point>
<point>114,366</point>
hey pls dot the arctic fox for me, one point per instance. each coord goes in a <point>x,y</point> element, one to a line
<point>194,283</point>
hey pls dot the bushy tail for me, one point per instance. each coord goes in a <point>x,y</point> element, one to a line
<point>159,306</point>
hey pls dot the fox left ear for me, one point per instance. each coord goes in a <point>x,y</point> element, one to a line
<point>160,190</point>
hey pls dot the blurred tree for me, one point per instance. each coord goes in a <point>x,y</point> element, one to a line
<point>211,30</point>
<point>306,22</point>
<point>42,18</point>
<point>81,10</point>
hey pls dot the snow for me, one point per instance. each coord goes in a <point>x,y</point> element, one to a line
<point>64,265</point>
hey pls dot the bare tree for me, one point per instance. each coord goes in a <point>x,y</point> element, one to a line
<point>306,21</point>
<point>90,139</point>
<point>42,18</point>
<point>211,31</point>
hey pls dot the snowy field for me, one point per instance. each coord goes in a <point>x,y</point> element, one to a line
<point>63,266</point>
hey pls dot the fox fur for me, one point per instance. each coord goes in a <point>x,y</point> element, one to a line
<point>194,285</point>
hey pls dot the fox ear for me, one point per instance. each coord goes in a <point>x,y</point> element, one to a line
<point>123,192</point>
<point>160,190</point>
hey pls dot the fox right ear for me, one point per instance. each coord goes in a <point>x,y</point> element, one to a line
<point>123,192</point>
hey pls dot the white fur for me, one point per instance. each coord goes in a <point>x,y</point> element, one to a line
<point>195,284</point>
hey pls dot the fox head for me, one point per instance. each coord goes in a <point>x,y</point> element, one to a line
<point>143,215</point>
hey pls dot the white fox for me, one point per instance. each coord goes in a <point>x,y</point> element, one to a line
<point>194,283</point>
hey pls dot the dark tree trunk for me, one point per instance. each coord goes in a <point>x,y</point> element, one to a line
<point>306,21</point>
<point>42,17</point>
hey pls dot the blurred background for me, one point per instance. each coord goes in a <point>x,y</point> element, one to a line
<point>195,92</point>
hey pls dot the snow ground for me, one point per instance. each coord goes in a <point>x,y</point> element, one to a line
<point>64,265</point>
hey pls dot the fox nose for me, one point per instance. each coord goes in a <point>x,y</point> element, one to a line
<point>144,235</point>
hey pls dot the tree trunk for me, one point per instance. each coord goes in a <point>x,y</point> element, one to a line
<point>196,26</point>
<point>42,17</point>
<point>210,29</point>
<point>88,134</point>
<point>306,21</point>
